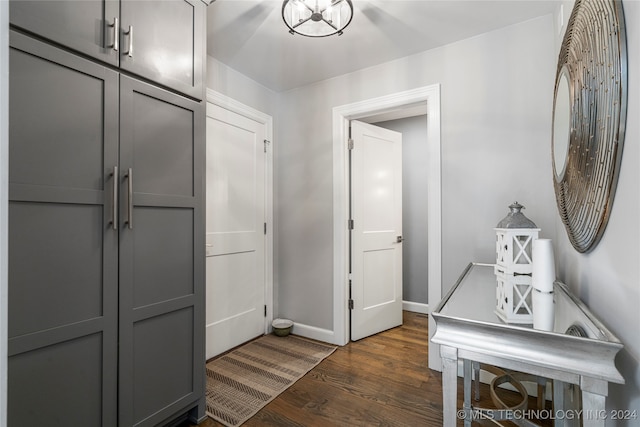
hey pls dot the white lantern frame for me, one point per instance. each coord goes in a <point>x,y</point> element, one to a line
<point>514,266</point>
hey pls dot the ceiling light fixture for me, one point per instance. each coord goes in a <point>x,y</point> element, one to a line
<point>317,18</point>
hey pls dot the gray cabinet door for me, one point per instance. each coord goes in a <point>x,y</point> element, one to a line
<point>63,145</point>
<point>86,26</point>
<point>164,41</point>
<point>161,254</point>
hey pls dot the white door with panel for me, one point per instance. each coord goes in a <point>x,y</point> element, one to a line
<point>376,237</point>
<point>235,227</point>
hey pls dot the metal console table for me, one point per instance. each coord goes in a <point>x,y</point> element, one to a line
<point>468,329</point>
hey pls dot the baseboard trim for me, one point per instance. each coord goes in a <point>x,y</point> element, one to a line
<point>328,336</point>
<point>416,307</point>
<point>324,335</point>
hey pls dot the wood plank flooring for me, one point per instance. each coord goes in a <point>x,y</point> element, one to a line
<point>382,380</point>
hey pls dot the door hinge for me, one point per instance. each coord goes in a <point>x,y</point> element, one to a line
<point>350,224</point>
<point>350,304</point>
<point>265,228</point>
<point>265,310</point>
<point>266,142</point>
<point>350,144</point>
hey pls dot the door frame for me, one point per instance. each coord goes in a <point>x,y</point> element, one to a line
<point>237,107</point>
<point>358,110</point>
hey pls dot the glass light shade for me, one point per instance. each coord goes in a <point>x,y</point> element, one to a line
<point>317,18</point>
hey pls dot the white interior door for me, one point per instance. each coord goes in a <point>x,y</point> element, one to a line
<point>376,237</point>
<point>235,218</point>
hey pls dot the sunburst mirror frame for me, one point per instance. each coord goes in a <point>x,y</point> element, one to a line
<point>589,116</point>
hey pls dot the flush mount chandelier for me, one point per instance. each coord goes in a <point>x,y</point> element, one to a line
<point>317,18</point>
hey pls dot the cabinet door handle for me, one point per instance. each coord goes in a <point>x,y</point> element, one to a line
<point>116,34</point>
<point>130,34</point>
<point>129,177</point>
<point>114,199</point>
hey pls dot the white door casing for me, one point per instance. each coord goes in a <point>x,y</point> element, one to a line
<point>367,108</point>
<point>236,214</point>
<point>376,237</point>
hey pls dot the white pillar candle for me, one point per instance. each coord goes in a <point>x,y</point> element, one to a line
<point>543,310</point>
<point>544,269</point>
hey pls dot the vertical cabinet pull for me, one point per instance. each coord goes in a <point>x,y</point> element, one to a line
<point>114,199</point>
<point>129,52</point>
<point>129,177</point>
<point>116,34</point>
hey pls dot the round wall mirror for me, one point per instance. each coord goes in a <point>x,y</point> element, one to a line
<point>561,124</point>
<point>589,117</point>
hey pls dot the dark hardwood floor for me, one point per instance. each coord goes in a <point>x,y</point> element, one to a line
<point>382,380</point>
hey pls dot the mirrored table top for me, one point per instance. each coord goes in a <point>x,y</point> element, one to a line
<point>474,298</point>
<point>466,320</point>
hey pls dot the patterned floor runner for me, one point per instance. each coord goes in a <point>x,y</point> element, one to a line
<point>244,380</point>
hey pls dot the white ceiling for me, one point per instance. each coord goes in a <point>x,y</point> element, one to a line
<point>250,36</point>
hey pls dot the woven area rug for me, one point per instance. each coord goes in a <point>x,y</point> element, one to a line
<point>244,380</point>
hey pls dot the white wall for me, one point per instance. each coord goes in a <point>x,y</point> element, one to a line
<point>414,206</point>
<point>497,91</point>
<point>239,87</point>
<point>608,278</point>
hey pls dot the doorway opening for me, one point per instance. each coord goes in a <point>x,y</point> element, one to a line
<point>414,207</point>
<point>398,103</point>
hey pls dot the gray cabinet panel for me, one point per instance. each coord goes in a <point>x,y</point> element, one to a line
<point>62,251</point>
<point>59,117</point>
<point>85,26</point>
<point>56,261</point>
<point>164,264</point>
<point>163,362</point>
<point>163,145</point>
<point>168,42</point>
<point>59,385</point>
<point>162,255</point>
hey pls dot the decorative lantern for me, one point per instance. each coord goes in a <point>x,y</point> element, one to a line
<point>514,264</point>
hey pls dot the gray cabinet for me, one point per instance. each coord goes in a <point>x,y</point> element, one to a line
<point>106,245</point>
<point>63,254</point>
<point>86,26</point>
<point>162,41</point>
<point>161,253</point>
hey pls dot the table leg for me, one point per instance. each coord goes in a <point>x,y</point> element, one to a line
<point>594,396</point>
<point>467,391</point>
<point>449,385</point>
<point>558,400</point>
